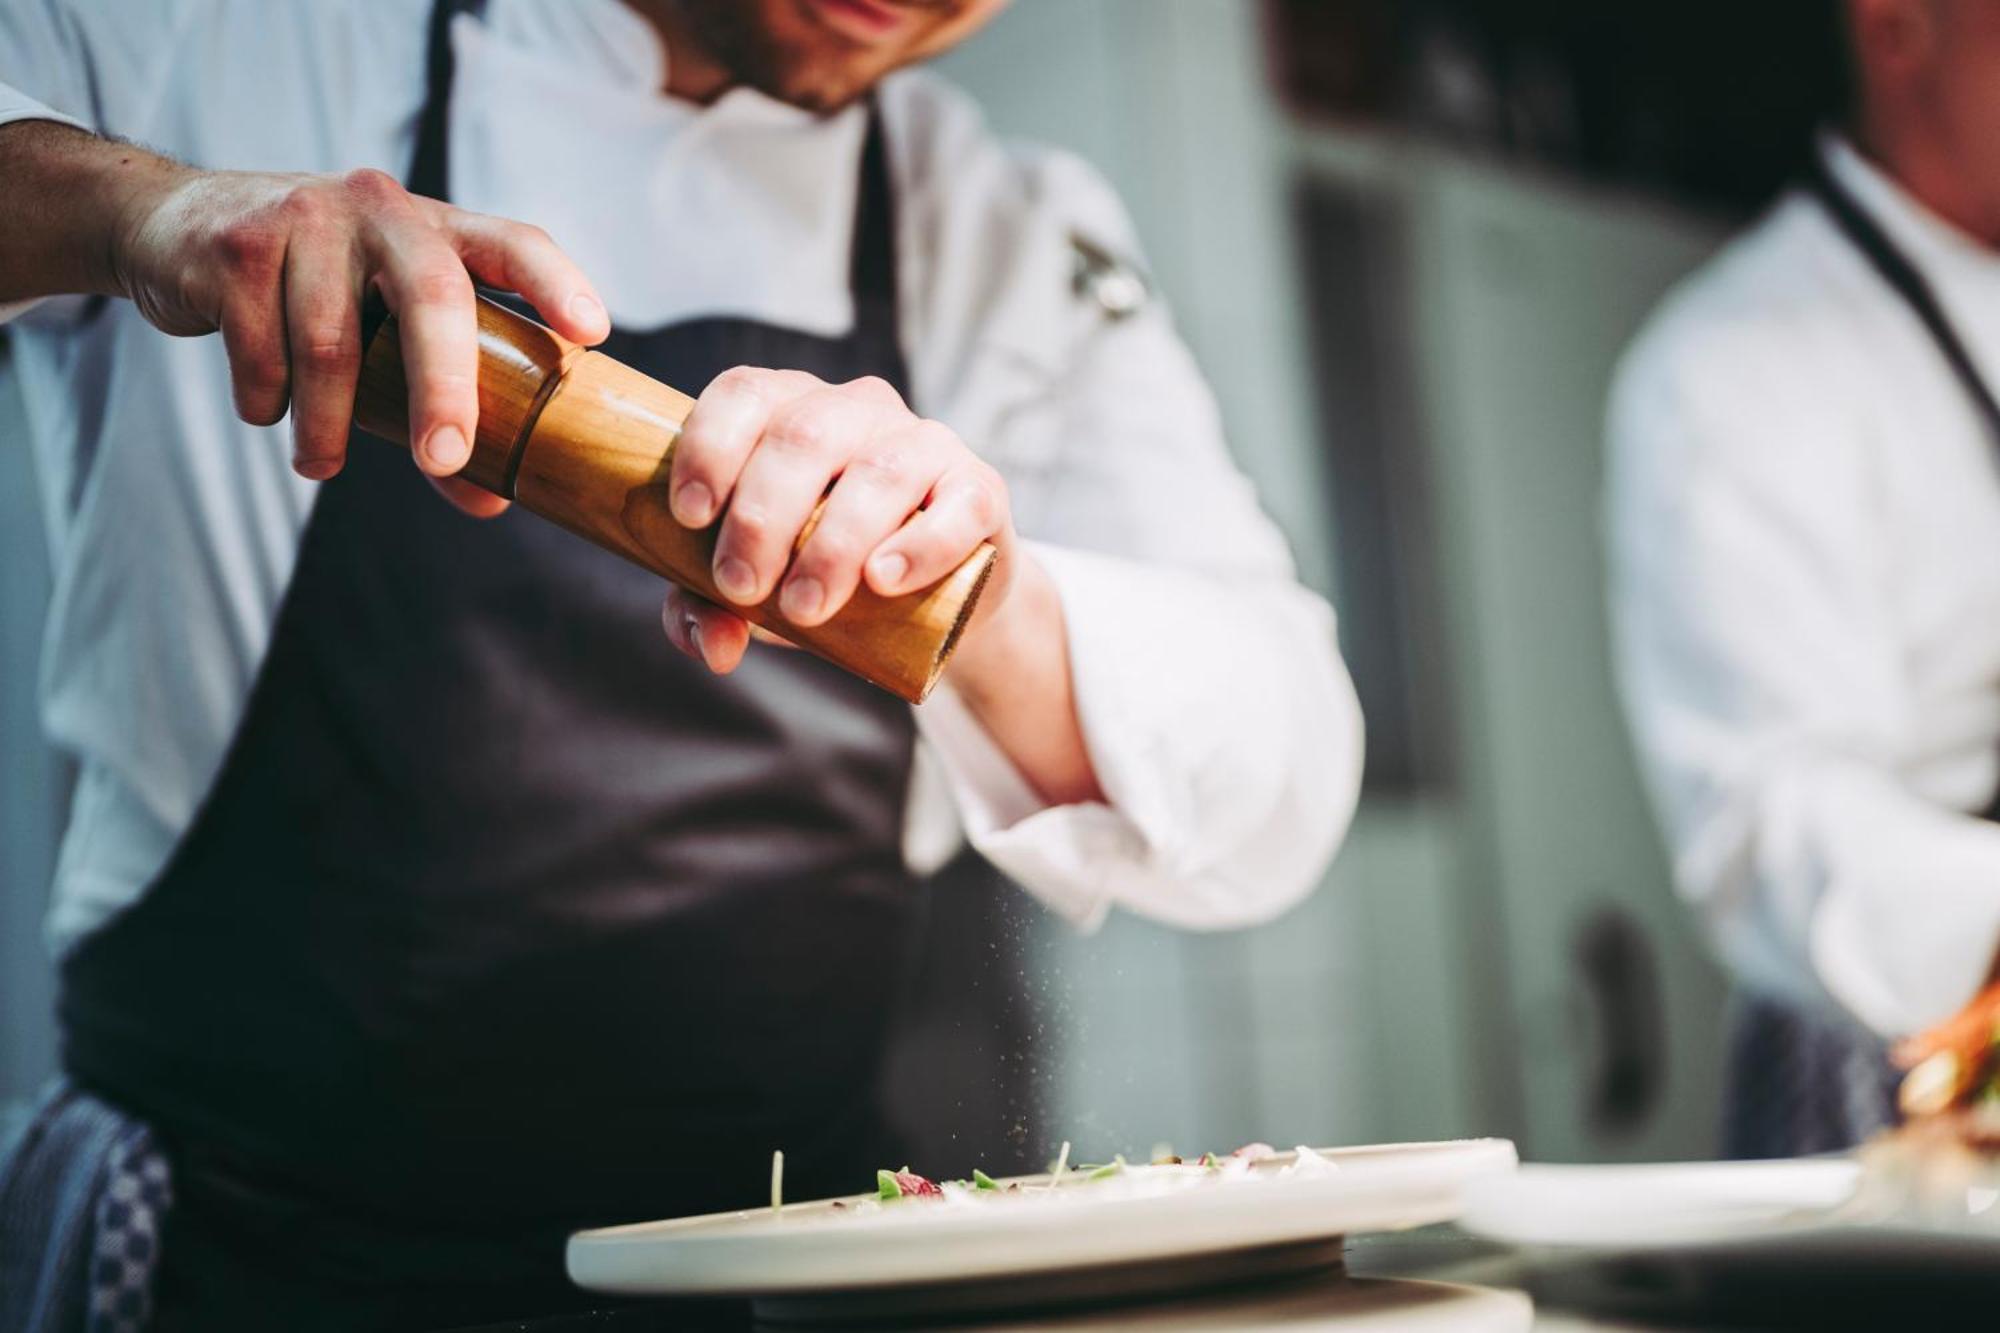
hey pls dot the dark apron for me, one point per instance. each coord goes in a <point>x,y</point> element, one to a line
<point>1803,1082</point>
<point>503,917</point>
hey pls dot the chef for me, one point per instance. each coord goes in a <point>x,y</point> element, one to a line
<point>421,899</point>
<point>1805,539</point>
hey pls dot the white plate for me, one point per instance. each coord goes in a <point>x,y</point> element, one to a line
<point>1078,1225</point>
<point>1660,1207</point>
<point>1805,1243</point>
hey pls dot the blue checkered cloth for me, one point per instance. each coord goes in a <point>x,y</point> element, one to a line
<point>83,1195</point>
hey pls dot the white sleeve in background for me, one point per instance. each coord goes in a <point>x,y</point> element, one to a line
<point>40,70</point>
<point>1764,673</point>
<point>1217,712</point>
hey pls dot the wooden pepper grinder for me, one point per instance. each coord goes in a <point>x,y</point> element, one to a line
<point>585,441</point>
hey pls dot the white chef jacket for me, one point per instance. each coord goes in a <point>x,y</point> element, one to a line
<point>1804,522</point>
<point>1219,717</point>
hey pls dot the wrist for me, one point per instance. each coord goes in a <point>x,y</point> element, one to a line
<point>131,187</point>
<point>1025,624</point>
<point>1012,672</point>
<point>72,200</point>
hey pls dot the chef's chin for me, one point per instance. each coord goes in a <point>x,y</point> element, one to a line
<point>822,55</point>
<point>816,85</point>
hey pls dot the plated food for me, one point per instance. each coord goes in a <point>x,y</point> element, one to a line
<point>1116,1178</point>
<point>1941,1167</point>
<point>1954,1072</point>
<point>1131,1226</point>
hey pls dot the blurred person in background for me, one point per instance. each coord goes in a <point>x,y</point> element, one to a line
<point>419,903</point>
<point>1804,506</point>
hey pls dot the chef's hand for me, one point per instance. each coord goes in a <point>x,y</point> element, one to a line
<point>279,264</point>
<point>908,503</point>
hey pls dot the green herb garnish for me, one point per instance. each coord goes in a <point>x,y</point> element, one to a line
<point>982,1181</point>
<point>1114,1167</point>
<point>887,1186</point>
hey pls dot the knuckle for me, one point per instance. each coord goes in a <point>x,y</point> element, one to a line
<point>261,376</point>
<point>306,209</point>
<point>830,550</point>
<point>801,429</point>
<point>873,386</point>
<point>694,460</point>
<point>936,437</point>
<point>328,353</point>
<point>438,284</point>
<point>749,524</point>
<point>444,394</point>
<point>372,184</point>
<point>985,498</point>
<point>251,245</point>
<point>881,465</point>
<point>741,381</point>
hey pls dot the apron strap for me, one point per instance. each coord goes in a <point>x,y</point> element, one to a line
<point>871,263</point>
<point>1902,276</point>
<point>430,172</point>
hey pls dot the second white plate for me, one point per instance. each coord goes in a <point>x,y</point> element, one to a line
<point>1660,1207</point>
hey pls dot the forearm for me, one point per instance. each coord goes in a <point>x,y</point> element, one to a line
<point>68,195</point>
<point>1229,761</point>
<point>1013,674</point>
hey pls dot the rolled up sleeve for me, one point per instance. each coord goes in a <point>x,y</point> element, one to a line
<point>1220,719</point>
<point>39,72</point>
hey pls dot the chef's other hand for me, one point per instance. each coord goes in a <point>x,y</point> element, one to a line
<point>906,502</point>
<point>279,264</point>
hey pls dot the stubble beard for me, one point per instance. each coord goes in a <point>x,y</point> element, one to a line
<point>733,37</point>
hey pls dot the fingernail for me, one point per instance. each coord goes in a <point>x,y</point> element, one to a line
<point>694,504</point>
<point>447,449</point>
<point>316,469</point>
<point>694,640</point>
<point>736,579</point>
<point>587,310</point>
<point>802,599</point>
<point>888,570</point>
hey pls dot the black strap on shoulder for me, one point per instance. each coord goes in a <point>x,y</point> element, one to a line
<point>1901,275</point>
<point>872,261</point>
<point>429,172</point>
<point>872,267</point>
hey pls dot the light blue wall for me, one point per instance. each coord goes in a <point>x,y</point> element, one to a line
<point>1432,987</point>
<point>1306,1029</point>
